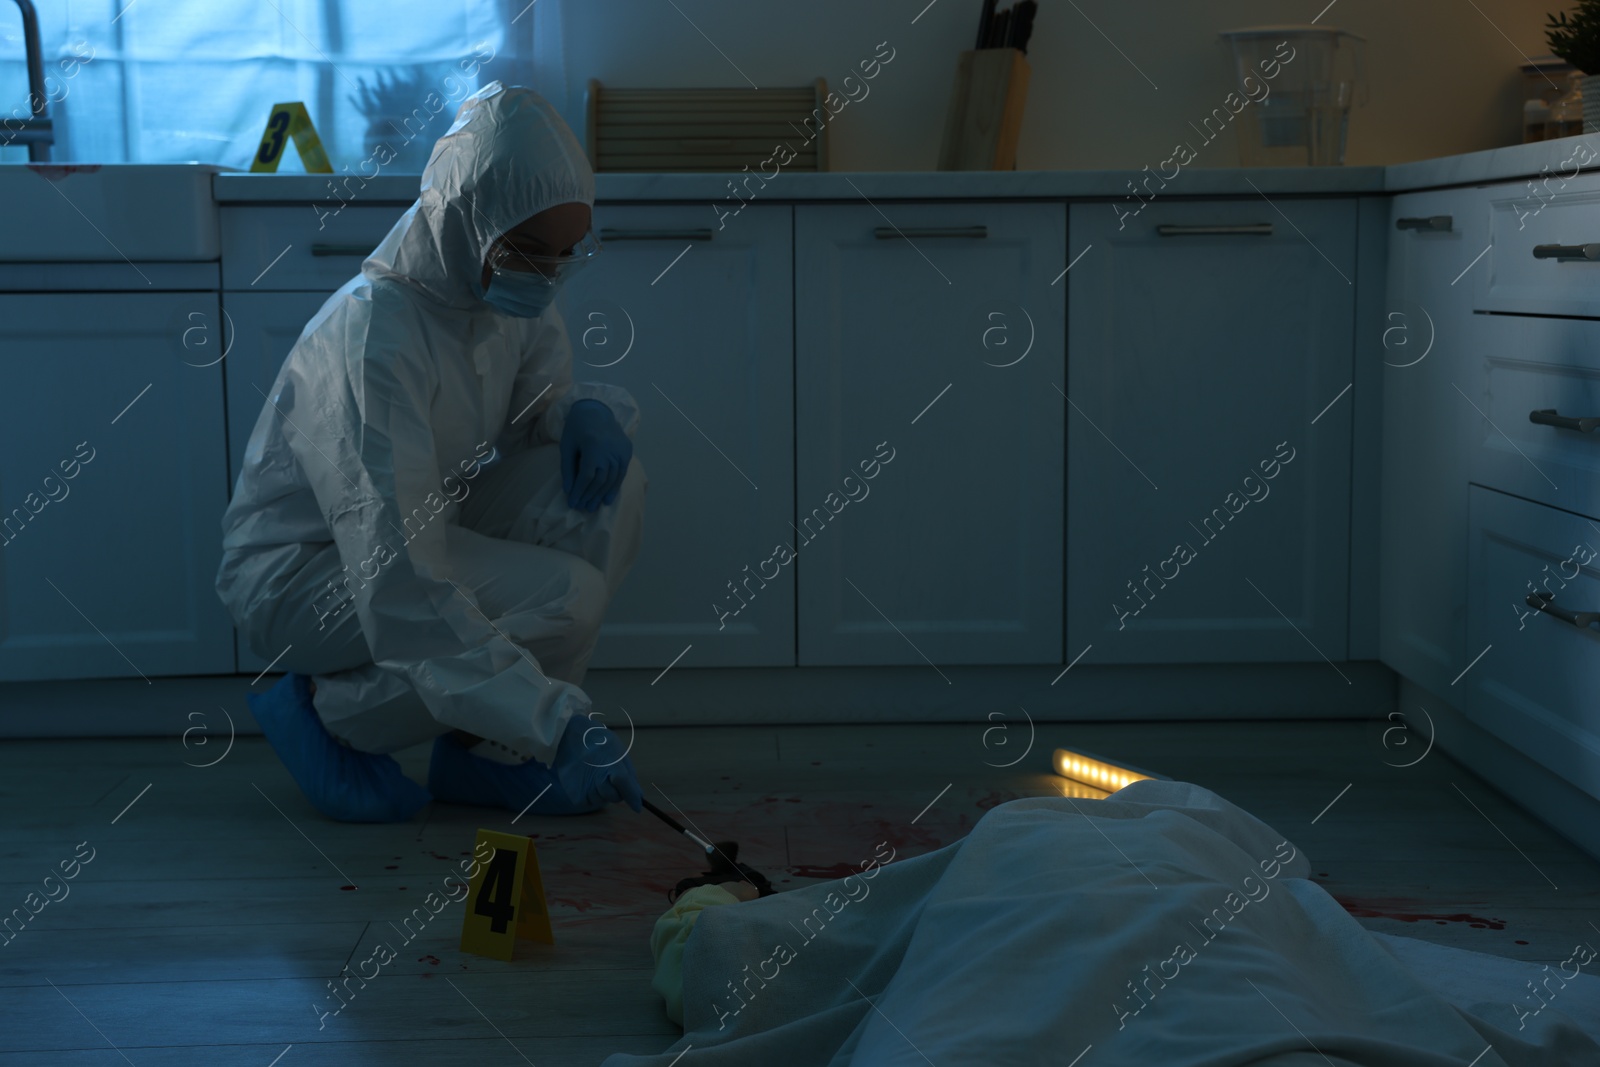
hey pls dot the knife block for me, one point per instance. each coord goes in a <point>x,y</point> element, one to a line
<point>984,119</point>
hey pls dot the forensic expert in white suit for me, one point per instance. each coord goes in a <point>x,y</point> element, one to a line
<point>432,517</point>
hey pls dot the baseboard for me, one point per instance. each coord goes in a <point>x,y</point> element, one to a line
<point>789,696</point>
<point>1565,808</point>
<point>808,695</point>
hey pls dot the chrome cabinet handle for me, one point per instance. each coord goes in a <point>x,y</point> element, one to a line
<point>1247,229</point>
<point>695,234</point>
<point>341,250</point>
<point>1440,223</point>
<point>1546,602</point>
<point>889,233</point>
<point>1549,417</point>
<point>1588,251</point>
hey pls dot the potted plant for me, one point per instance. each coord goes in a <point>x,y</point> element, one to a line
<point>1575,38</point>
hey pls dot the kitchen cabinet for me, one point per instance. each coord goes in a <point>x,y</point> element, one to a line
<point>1536,433</point>
<point>1209,431</point>
<point>300,247</point>
<point>929,441</point>
<point>1430,340</point>
<point>113,495</point>
<point>1534,687</point>
<point>696,321</point>
<point>1539,234</point>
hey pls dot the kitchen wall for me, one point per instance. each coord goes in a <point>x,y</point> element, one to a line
<point>1443,73</point>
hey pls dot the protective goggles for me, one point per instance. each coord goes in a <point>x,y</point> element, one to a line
<point>554,269</point>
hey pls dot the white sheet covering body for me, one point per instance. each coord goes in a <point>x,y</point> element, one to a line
<point>398,390</point>
<point>1160,926</point>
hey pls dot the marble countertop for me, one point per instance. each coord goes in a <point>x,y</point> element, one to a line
<point>1472,168</point>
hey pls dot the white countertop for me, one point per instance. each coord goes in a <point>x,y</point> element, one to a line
<point>1473,168</point>
<point>842,185</point>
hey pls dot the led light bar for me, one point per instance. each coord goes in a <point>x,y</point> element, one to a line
<point>1097,772</point>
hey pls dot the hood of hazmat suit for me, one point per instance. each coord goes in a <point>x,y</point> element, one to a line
<point>402,386</point>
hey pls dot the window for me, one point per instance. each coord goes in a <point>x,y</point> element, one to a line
<point>157,81</point>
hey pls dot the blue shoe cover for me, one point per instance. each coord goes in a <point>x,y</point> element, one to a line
<point>341,783</point>
<point>456,776</point>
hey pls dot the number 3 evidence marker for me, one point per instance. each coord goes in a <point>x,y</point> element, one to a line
<point>505,901</point>
<point>290,122</point>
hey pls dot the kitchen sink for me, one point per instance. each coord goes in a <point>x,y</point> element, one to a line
<point>86,212</point>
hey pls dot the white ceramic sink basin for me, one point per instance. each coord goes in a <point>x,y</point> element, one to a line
<point>87,212</point>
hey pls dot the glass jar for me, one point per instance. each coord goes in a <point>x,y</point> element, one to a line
<point>1566,113</point>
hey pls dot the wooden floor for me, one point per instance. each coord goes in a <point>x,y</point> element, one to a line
<point>218,905</point>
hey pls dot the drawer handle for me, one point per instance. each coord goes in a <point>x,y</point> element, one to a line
<point>656,235</point>
<point>341,250</point>
<point>1589,251</point>
<point>889,233</point>
<point>1546,602</point>
<point>1247,229</point>
<point>1549,417</point>
<point>1440,223</point>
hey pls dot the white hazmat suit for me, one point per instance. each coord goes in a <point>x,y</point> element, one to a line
<point>399,530</point>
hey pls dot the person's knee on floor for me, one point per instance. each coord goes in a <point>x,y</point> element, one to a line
<point>342,783</point>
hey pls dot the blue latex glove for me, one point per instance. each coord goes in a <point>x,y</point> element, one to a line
<point>592,765</point>
<point>594,455</point>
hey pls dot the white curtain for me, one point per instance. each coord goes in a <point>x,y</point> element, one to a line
<point>156,81</point>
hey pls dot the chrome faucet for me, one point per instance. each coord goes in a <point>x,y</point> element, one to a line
<point>37,132</point>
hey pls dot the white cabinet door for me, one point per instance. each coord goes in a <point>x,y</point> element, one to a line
<point>930,348</point>
<point>1209,429</point>
<point>696,322</point>
<point>113,484</point>
<point>1429,337</point>
<point>263,326</point>
<point>1532,684</point>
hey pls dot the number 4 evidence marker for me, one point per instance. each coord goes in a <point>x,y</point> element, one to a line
<point>505,900</point>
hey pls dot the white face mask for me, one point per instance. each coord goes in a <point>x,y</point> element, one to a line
<point>524,294</point>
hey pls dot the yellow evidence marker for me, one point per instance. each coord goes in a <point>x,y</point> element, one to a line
<point>286,121</point>
<point>505,900</point>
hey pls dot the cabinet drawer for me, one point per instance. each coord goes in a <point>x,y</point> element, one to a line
<point>300,247</point>
<point>1556,209</point>
<point>1518,366</point>
<point>1535,684</point>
